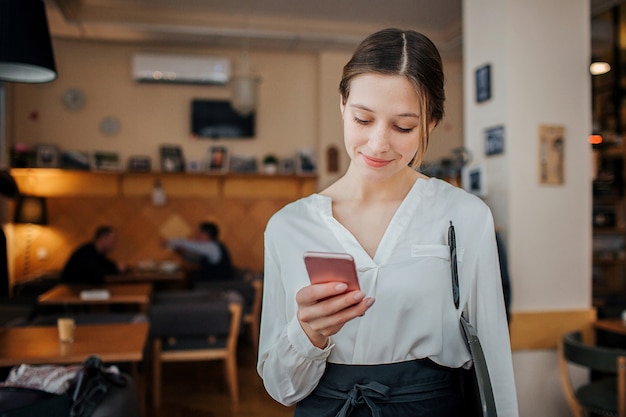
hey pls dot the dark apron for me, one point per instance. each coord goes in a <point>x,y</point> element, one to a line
<point>418,388</point>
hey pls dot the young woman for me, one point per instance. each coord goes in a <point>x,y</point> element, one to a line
<point>337,352</point>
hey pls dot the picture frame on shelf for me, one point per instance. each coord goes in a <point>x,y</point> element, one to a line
<point>243,164</point>
<point>76,160</point>
<point>172,159</point>
<point>106,161</point>
<point>47,156</point>
<point>139,163</point>
<point>286,166</point>
<point>305,162</point>
<point>217,159</point>
<point>195,166</point>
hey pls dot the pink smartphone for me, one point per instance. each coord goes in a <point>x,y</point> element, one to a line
<point>331,267</point>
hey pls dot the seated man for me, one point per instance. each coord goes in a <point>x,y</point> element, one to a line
<point>206,251</point>
<point>89,263</point>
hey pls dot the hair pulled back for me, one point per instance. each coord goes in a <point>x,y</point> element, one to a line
<point>410,54</point>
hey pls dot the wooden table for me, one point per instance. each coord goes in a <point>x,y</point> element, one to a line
<point>146,277</point>
<point>36,345</point>
<point>33,345</point>
<point>611,325</point>
<point>64,294</point>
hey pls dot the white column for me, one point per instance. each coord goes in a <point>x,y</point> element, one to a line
<point>539,56</point>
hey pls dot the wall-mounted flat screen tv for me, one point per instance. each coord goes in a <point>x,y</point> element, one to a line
<point>215,119</point>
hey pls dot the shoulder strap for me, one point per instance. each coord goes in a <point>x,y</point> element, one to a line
<point>481,373</point>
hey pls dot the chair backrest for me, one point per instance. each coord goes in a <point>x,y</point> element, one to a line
<point>258,297</point>
<point>193,318</point>
<point>573,350</point>
<point>250,290</point>
<point>594,357</point>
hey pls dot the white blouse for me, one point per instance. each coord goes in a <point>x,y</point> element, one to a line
<point>414,314</point>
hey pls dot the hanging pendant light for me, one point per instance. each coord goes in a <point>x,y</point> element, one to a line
<point>244,88</point>
<point>244,84</point>
<point>25,47</point>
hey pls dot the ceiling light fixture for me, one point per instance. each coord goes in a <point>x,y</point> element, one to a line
<point>599,68</point>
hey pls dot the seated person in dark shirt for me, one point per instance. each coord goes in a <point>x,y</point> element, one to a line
<point>89,263</point>
<point>206,251</point>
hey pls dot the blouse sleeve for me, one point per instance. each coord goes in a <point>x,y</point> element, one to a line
<point>289,364</point>
<point>487,313</point>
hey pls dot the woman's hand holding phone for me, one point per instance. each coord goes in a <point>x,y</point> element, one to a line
<point>332,299</point>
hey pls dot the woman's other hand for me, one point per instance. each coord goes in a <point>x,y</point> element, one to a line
<point>323,309</point>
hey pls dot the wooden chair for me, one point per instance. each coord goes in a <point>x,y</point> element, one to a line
<point>251,291</point>
<point>252,318</point>
<point>196,331</point>
<point>605,396</point>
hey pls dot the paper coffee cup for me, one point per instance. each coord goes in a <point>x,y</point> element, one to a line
<point>66,330</point>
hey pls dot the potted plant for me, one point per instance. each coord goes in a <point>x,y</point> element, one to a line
<point>270,164</point>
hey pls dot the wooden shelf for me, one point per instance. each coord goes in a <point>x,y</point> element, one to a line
<point>66,183</point>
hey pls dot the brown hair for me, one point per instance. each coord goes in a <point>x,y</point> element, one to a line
<point>408,53</point>
<point>102,231</point>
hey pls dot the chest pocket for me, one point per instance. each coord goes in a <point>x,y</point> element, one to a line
<point>435,251</point>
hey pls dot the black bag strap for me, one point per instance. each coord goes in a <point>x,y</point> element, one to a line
<point>92,384</point>
<point>485,391</point>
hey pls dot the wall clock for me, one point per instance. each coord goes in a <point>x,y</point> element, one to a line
<point>110,126</point>
<point>73,98</point>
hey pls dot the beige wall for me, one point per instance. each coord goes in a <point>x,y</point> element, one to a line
<point>298,105</point>
<point>153,114</point>
<point>298,108</point>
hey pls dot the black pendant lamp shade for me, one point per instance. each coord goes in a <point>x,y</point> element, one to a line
<point>25,46</point>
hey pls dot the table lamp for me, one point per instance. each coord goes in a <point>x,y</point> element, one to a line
<point>30,210</point>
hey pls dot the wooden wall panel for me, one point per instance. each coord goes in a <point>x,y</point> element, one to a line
<point>543,329</point>
<point>76,213</point>
<point>174,185</point>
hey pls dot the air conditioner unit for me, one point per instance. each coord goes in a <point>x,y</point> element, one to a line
<point>158,68</point>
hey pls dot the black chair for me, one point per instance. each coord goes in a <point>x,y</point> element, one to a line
<point>601,396</point>
<point>251,290</point>
<point>186,329</point>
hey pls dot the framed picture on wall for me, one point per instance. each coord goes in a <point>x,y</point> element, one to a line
<point>474,180</point>
<point>551,154</point>
<point>494,140</point>
<point>483,83</point>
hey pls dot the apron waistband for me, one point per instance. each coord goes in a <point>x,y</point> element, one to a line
<point>369,392</point>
